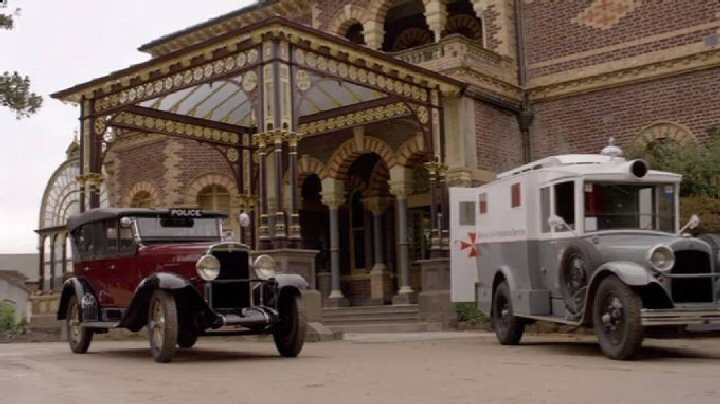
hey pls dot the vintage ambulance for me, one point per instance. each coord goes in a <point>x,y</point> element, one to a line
<point>586,240</point>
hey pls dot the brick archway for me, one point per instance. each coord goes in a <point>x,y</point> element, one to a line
<point>142,186</point>
<point>342,158</point>
<point>664,130</point>
<point>343,19</point>
<point>198,183</point>
<point>411,148</point>
<point>307,165</point>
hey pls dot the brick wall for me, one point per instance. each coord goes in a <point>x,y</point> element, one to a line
<point>498,138</point>
<point>556,29</point>
<point>330,8</point>
<point>583,123</point>
<point>143,163</point>
<point>196,159</point>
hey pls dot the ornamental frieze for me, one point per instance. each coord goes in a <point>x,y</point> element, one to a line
<point>151,124</point>
<point>365,116</point>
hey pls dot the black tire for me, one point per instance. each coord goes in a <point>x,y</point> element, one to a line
<point>508,328</point>
<point>289,333</point>
<point>78,337</point>
<point>162,326</point>
<point>187,338</point>
<point>577,265</point>
<point>616,319</point>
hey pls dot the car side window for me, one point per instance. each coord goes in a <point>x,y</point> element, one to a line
<point>110,236</point>
<point>127,241</point>
<point>84,241</point>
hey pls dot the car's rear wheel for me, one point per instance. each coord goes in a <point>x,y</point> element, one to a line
<point>289,333</point>
<point>616,319</point>
<point>78,337</point>
<point>508,328</point>
<point>162,326</point>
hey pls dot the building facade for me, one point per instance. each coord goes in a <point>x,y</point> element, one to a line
<point>339,126</point>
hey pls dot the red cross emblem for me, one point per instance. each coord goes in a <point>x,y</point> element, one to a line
<point>464,245</point>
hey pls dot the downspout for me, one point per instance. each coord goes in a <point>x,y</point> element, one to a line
<point>525,115</point>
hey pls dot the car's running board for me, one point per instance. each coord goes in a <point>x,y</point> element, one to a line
<point>552,319</point>
<point>99,324</point>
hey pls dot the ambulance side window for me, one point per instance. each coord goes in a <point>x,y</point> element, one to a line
<point>467,213</point>
<point>565,202</point>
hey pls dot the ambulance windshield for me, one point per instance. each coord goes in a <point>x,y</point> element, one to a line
<point>616,206</point>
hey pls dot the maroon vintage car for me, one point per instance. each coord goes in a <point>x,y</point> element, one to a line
<point>170,270</point>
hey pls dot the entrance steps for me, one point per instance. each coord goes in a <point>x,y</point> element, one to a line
<point>376,319</point>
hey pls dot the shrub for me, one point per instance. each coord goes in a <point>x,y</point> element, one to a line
<point>467,311</point>
<point>706,207</point>
<point>8,325</point>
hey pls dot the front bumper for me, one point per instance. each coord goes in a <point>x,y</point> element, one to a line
<point>249,317</point>
<point>707,315</point>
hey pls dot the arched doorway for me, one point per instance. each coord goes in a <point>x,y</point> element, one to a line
<point>367,232</point>
<point>314,222</point>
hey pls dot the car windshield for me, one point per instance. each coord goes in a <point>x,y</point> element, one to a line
<point>182,228</point>
<point>612,205</point>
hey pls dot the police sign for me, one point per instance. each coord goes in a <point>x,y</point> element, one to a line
<point>186,212</point>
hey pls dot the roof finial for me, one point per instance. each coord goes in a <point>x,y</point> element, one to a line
<point>611,149</point>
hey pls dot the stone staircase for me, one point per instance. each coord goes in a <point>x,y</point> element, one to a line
<point>376,319</point>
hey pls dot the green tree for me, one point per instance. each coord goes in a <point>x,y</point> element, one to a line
<point>699,165</point>
<point>14,88</point>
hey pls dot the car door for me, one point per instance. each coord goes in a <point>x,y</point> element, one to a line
<point>117,265</point>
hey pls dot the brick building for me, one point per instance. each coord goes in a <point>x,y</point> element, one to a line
<point>374,108</point>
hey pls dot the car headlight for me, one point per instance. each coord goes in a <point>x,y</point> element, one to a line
<point>661,258</point>
<point>208,267</point>
<point>264,266</point>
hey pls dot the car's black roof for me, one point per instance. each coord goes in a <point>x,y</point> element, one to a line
<point>94,215</point>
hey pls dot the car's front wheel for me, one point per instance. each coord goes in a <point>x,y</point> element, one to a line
<point>78,337</point>
<point>616,318</point>
<point>289,333</point>
<point>162,326</point>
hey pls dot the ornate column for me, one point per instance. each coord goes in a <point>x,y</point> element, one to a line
<point>443,216</point>
<point>435,236</point>
<point>374,34</point>
<point>91,128</point>
<point>294,237</point>
<point>436,17</point>
<point>280,226</point>
<point>333,196</point>
<point>380,292</point>
<point>400,186</point>
<point>264,237</point>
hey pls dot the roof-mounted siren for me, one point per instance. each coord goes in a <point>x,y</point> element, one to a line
<point>638,168</point>
<point>611,149</point>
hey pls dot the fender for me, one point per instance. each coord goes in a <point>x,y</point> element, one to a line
<point>136,314</point>
<point>485,296</point>
<point>629,272</point>
<point>78,287</point>
<point>287,283</point>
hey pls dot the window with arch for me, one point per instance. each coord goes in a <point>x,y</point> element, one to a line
<point>141,199</point>
<point>214,197</point>
<point>462,20</point>
<point>356,33</point>
<point>405,26</point>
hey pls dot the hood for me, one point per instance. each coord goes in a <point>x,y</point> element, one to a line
<point>634,245</point>
<point>187,251</point>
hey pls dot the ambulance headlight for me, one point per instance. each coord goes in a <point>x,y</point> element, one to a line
<point>208,267</point>
<point>264,266</point>
<point>662,258</point>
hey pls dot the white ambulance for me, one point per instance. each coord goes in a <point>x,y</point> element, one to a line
<point>587,240</point>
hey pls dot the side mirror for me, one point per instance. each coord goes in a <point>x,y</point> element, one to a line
<point>693,223</point>
<point>244,219</point>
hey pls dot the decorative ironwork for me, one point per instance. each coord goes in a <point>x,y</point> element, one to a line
<point>151,124</point>
<point>369,115</point>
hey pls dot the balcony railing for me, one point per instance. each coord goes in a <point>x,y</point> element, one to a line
<point>456,51</point>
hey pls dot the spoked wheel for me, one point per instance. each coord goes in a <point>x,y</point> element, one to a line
<point>616,319</point>
<point>78,337</point>
<point>508,328</point>
<point>163,326</point>
<point>289,334</point>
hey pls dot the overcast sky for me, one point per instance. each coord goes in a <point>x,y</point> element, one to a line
<point>60,44</point>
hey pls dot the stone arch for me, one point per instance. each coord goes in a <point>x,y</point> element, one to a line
<point>198,183</point>
<point>343,157</point>
<point>664,130</point>
<point>343,19</point>
<point>307,165</point>
<point>141,186</point>
<point>411,148</point>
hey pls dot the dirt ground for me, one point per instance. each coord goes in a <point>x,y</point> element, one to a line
<point>405,368</point>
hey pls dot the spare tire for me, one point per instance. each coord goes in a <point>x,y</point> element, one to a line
<point>714,241</point>
<point>579,261</point>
